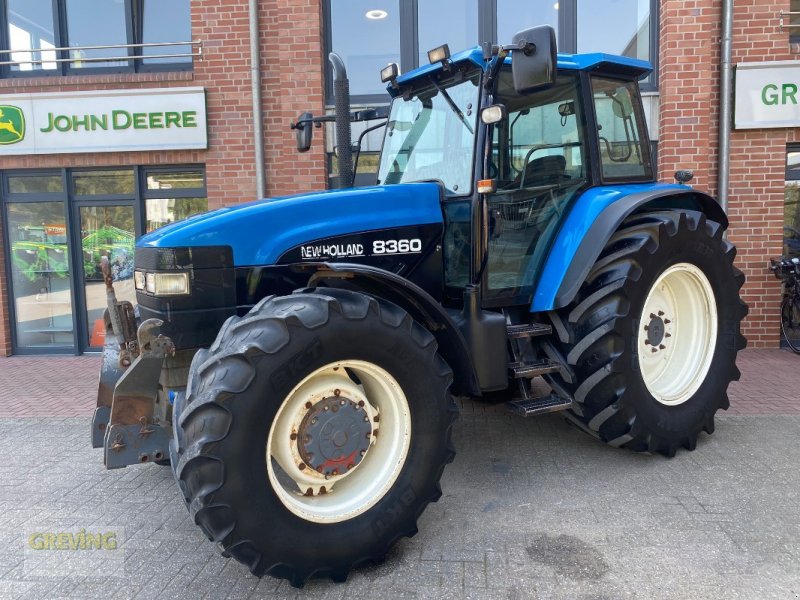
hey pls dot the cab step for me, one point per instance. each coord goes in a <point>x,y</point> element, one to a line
<point>528,407</point>
<point>527,330</point>
<point>529,370</point>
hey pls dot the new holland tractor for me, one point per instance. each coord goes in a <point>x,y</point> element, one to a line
<point>295,359</point>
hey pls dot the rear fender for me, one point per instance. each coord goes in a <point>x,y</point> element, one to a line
<point>415,301</point>
<point>592,222</point>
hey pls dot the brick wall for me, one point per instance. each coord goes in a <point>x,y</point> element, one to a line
<point>689,85</point>
<point>291,67</point>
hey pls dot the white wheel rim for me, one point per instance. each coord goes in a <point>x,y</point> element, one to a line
<point>677,334</point>
<point>380,400</point>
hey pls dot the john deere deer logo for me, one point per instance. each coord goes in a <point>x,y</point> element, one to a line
<point>12,125</point>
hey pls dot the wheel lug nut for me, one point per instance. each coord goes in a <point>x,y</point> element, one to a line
<point>647,342</point>
<point>662,347</point>
<point>293,436</point>
<point>337,392</point>
<point>647,328</point>
<point>661,313</point>
<point>361,403</point>
<point>652,315</point>
<point>302,466</point>
<point>309,405</point>
<point>667,335</point>
<point>377,418</point>
<point>655,350</point>
<point>667,321</point>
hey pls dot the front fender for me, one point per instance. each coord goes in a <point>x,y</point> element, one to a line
<point>415,301</point>
<point>591,222</point>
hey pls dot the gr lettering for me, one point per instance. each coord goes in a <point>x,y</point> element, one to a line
<point>772,95</point>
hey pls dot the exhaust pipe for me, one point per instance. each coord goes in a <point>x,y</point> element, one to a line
<point>343,147</point>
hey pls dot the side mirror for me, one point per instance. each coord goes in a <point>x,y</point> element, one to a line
<point>533,60</point>
<point>303,131</point>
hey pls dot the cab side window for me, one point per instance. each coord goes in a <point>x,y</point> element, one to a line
<point>620,123</point>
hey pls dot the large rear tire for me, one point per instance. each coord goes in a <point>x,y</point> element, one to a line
<point>313,433</point>
<point>653,333</point>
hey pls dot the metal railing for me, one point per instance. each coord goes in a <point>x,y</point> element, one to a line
<point>194,44</point>
<point>790,25</point>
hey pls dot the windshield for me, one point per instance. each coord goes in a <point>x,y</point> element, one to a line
<point>432,136</point>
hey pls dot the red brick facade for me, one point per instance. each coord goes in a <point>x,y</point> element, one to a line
<point>689,88</point>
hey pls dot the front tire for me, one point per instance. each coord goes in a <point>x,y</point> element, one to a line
<point>653,333</point>
<point>313,433</point>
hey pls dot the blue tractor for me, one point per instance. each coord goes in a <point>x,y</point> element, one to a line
<point>295,359</point>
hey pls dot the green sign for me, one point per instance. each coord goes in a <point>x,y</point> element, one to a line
<point>12,125</point>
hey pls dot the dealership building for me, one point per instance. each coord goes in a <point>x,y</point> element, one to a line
<point>118,117</point>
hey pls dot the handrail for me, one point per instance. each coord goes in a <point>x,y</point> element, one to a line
<point>790,13</point>
<point>33,61</point>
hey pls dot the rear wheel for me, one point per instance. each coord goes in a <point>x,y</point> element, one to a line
<point>790,321</point>
<point>313,433</point>
<point>654,332</point>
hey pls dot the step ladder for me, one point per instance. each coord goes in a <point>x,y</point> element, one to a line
<point>523,372</point>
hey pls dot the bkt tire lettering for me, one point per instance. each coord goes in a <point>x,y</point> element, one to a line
<point>396,246</point>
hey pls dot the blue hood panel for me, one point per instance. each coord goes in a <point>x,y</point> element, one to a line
<point>259,232</point>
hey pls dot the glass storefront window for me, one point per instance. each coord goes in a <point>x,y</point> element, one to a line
<point>366,34</point>
<point>40,274</point>
<point>35,183</point>
<point>791,206</point>
<point>103,182</point>
<point>452,22</point>
<point>96,23</point>
<point>515,15</point>
<point>628,19</point>
<point>165,21</point>
<point>172,180</point>
<point>30,27</point>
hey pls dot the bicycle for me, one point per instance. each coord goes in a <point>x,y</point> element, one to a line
<point>788,271</point>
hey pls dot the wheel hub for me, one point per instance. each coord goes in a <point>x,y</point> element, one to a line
<point>334,435</point>
<point>656,330</point>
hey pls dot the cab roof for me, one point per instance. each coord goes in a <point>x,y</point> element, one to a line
<point>596,61</point>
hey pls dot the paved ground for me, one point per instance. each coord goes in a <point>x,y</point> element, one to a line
<point>531,509</point>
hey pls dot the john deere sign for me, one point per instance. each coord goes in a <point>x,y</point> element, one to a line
<point>110,121</point>
<point>767,95</point>
<point>12,124</point>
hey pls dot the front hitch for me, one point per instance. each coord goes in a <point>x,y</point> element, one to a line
<point>126,423</point>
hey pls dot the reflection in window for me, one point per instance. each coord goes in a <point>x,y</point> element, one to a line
<point>162,211</point>
<point>516,15</point>
<point>173,195</point>
<point>40,273</point>
<point>451,22</point>
<point>366,34</point>
<point>791,207</point>
<point>628,19</point>
<point>30,27</point>
<point>96,23</point>
<point>35,184</point>
<point>163,21</point>
<point>170,180</point>
<point>99,183</point>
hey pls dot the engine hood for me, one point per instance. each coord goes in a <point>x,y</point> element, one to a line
<point>259,232</point>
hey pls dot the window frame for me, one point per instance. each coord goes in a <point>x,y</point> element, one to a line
<point>487,30</point>
<point>135,61</point>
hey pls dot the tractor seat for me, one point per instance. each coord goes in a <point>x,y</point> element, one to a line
<point>547,170</point>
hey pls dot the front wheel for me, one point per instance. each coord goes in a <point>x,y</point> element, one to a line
<point>790,321</point>
<point>654,332</point>
<point>313,433</point>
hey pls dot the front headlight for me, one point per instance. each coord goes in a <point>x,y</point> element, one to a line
<point>170,284</point>
<point>162,284</point>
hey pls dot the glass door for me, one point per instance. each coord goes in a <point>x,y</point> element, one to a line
<point>105,229</point>
<point>41,276</point>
